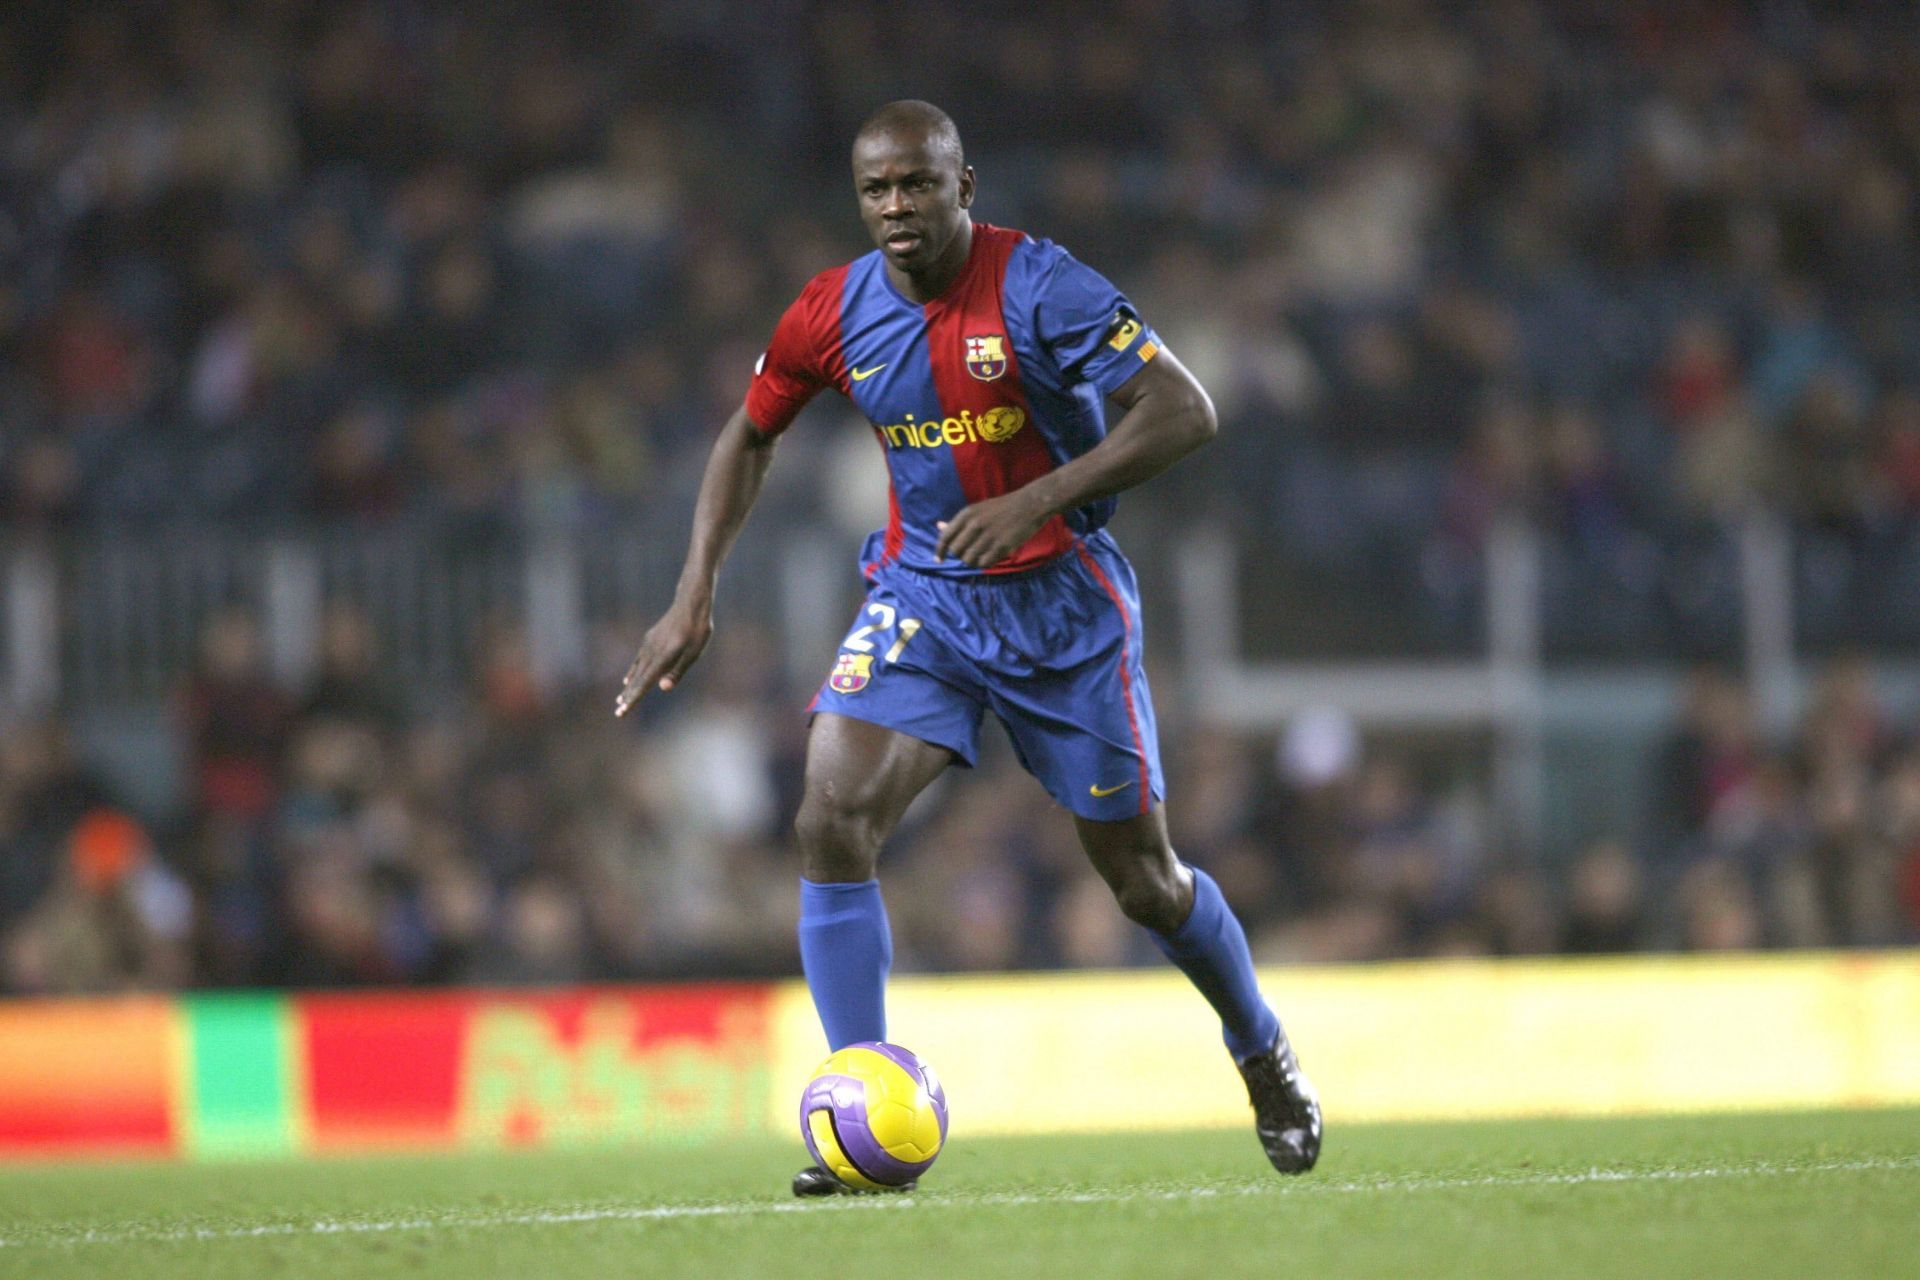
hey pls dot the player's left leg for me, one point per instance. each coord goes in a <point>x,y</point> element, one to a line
<point>1184,911</point>
<point>1072,692</point>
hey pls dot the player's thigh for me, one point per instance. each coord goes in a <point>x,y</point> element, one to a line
<point>1073,691</point>
<point>1142,837</point>
<point>1087,735</point>
<point>860,778</point>
<point>898,706</point>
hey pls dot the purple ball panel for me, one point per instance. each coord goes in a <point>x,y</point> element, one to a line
<point>826,1091</point>
<point>806,1135</point>
<point>868,1156</point>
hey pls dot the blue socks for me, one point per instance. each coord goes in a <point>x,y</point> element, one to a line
<point>1211,949</point>
<point>846,950</point>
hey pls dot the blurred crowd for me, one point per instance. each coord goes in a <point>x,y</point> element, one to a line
<point>329,836</point>
<point>1629,267</point>
<point>1634,271</point>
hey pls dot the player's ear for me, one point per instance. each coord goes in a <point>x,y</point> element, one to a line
<point>966,186</point>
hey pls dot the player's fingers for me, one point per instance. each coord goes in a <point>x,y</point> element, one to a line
<point>681,661</point>
<point>633,671</point>
<point>944,542</point>
<point>979,551</point>
<point>628,690</point>
<point>962,535</point>
<point>666,671</point>
<point>645,670</point>
<point>992,550</point>
<point>629,694</point>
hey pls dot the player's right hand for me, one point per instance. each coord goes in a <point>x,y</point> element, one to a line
<point>670,646</point>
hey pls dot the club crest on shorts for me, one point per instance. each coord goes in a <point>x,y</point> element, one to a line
<point>987,356</point>
<point>851,672</point>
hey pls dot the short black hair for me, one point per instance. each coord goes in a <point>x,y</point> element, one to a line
<point>910,115</point>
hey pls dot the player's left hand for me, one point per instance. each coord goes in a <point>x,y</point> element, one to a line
<point>984,534</point>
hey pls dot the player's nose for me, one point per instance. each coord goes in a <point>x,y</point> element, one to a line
<point>896,205</point>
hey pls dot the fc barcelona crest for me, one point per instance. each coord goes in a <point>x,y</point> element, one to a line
<point>987,356</point>
<point>851,672</point>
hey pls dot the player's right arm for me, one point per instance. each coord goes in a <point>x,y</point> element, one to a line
<point>788,375</point>
<point>735,470</point>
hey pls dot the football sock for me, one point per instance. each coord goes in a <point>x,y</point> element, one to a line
<point>1211,949</point>
<point>846,950</point>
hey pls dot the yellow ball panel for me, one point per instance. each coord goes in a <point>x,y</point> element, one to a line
<point>926,1130</point>
<point>891,1124</point>
<point>899,1112</point>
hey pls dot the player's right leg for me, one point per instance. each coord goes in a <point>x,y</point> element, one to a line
<point>860,779</point>
<point>899,706</point>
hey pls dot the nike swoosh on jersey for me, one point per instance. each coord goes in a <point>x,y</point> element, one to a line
<point>861,375</point>
<point>1107,791</point>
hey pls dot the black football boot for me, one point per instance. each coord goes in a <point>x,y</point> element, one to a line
<point>815,1181</point>
<point>1286,1110</point>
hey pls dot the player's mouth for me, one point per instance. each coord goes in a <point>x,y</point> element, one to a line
<point>902,242</point>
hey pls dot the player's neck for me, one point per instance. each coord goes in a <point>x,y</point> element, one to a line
<point>939,276</point>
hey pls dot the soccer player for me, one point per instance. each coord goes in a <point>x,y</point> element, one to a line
<point>983,358</point>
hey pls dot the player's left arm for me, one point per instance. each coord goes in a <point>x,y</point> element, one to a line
<point>1166,415</point>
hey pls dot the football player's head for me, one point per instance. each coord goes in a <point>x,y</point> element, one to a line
<point>913,183</point>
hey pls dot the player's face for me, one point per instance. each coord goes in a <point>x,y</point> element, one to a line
<point>913,197</point>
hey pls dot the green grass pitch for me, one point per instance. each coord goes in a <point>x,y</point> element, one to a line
<point>1829,1195</point>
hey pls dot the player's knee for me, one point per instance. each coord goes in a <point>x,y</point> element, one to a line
<point>1151,893</point>
<point>839,842</point>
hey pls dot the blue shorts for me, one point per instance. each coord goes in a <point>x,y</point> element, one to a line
<point>1054,653</point>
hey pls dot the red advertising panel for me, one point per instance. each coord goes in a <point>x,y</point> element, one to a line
<point>381,1069</point>
<point>537,1068</point>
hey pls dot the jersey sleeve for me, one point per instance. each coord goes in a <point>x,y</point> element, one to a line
<point>791,371</point>
<point>1089,327</point>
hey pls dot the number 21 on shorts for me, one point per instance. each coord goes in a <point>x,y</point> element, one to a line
<point>858,639</point>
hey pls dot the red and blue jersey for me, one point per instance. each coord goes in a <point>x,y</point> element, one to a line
<point>994,383</point>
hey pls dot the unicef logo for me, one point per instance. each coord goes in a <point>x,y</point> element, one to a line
<point>1000,423</point>
<point>991,427</point>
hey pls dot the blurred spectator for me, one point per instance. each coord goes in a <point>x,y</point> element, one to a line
<point>1718,911</point>
<point>114,919</point>
<point>1605,911</point>
<point>236,722</point>
<point>1713,754</point>
<point>351,684</point>
<point>543,937</point>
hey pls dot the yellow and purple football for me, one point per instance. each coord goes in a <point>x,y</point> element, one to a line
<point>874,1115</point>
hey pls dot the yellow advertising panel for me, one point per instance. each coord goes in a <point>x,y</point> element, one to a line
<point>1426,1040</point>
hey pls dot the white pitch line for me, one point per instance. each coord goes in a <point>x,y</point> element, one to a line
<point>991,1200</point>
